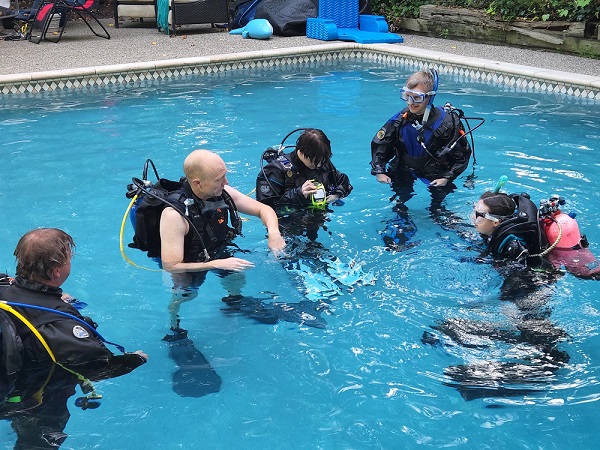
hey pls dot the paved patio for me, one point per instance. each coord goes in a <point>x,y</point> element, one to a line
<point>137,42</point>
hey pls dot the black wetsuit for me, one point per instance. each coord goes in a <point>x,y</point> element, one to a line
<point>404,151</point>
<point>38,409</point>
<point>515,247</point>
<point>518,241</point>
<point>280,183</point>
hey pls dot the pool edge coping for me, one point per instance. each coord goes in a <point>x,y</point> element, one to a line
<point>572,80</point>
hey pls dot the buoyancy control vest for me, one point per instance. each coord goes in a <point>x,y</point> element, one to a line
<point>416,137</point>
<point>208,219</point>
<point>11,349</point>
<point>523,225</point>
<point>283,161</point>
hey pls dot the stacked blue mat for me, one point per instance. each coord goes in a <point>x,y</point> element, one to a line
<point>340,20</point>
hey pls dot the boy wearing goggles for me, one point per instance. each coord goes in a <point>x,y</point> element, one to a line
<point>420,142</point>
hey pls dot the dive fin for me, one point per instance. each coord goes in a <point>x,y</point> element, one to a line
<point>194,377</point>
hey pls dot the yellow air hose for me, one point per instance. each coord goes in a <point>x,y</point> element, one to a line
<point>121,246</point>
<point>36,333</point>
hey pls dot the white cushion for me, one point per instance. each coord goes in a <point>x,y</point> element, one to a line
<point>143,11</point>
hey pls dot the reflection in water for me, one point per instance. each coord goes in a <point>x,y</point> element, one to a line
<point>317,273</point>
<point>528,342</point>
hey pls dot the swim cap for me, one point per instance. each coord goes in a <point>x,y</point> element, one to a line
<point>570,231</point>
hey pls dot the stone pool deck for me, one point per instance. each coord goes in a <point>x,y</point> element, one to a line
<point>137,44</point>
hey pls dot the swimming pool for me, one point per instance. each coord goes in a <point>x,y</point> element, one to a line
<point>364,381</point>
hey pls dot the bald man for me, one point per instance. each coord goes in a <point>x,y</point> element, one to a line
<point>188,252</point>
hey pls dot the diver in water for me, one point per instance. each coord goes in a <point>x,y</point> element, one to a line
<point>189,252</point>
<point>528,246</point>
<point>510,229</point>
<point>47,347</point>
<point>514,229</point>
<point>186,225</point>
<point>303,178</point>
<point>302,185</point>
<point>420,142</point>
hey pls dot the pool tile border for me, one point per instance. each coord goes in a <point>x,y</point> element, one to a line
<point>508,76</point>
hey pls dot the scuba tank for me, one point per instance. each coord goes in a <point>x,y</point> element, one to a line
<point>561,230</point>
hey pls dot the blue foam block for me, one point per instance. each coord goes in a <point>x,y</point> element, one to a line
<point>368,37</point>
<point>344,13</point>
<point>373,23</point>
<point>322,29</point>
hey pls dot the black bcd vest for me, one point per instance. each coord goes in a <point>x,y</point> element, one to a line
<point>200,215</point>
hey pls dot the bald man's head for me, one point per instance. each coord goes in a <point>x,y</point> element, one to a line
<point>201,163</point>
<point>204,171</point>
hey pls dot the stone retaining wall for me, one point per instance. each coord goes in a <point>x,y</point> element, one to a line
<point>462,23</point>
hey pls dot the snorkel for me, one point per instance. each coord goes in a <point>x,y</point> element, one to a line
<point>431,96</point>
<point>501,182</point>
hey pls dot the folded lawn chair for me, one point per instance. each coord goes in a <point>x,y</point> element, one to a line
<point>53,15</point>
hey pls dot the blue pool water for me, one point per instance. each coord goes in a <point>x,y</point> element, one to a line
<point>366,380</point>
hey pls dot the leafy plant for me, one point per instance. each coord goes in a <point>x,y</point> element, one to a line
<point>398,9</point>
<point>568,10</point>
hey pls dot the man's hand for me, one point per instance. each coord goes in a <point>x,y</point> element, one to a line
<point>67,298</point>
<point>383,178</point>
<point>439,182</point>
<point>332,198</point>
<point>233,264</point>
<point>308,188</point>
<point>276,243</point>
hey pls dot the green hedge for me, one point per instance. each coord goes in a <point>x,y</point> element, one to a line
<point>568,10</point>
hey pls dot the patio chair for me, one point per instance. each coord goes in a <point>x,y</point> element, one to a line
<point>53,15</point>
<point>141,9</point>
<point>8,10</point>
<point>173,13</point>
<point>16,19</point>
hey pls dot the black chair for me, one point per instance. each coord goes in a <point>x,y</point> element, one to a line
<point>184,12</point>
<point>8,10</point>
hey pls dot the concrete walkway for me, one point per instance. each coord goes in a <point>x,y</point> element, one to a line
<point>140,42</point>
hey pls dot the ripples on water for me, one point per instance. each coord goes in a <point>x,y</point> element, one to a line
<point>367,380</point>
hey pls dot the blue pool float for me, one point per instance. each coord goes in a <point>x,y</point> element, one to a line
<point>255,29</point>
